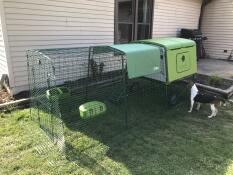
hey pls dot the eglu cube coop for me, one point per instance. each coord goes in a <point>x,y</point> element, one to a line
<point>88,88</point>
<point>178,59</point>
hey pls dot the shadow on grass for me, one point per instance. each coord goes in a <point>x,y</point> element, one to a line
<point>158,140</point>
<point>82,159</point>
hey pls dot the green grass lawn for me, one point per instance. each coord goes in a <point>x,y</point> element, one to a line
<point>159,140</point>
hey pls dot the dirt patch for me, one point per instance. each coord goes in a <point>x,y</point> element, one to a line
<point>5,96</point>
<point>214,81</point>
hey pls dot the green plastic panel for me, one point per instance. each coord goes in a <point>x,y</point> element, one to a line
<point>183,62</point>
<point>181,56</point>
<point>142,59</point>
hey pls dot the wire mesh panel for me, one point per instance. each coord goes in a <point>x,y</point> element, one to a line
<point>41,78</point>
<point>62,80</point>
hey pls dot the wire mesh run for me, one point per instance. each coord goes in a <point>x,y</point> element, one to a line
<point>61,80</point>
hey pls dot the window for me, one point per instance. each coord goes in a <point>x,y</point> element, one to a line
<point>133,20</point>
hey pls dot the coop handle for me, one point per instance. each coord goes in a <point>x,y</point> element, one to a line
<point>182,47</point>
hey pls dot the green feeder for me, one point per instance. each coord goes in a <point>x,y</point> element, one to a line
<point>59,93</point>
<point>92,109</point>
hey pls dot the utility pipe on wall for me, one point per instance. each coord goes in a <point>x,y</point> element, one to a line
<point>204,3</point>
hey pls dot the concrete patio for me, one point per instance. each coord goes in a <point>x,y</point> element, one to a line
<point>215,67</point>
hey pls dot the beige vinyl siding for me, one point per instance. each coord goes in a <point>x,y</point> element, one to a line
<point>171,16</point>
<point>3,61</point>
<point>217,26</point>
<point>38,24</point>
<point>33,24</point>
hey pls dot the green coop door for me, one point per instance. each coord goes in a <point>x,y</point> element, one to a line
<point>183,62</point>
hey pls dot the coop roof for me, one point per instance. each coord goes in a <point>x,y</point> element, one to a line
<point>142,59</point>
<point>170,43</point>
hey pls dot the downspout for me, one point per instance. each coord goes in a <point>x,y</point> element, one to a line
<point>204,3</point>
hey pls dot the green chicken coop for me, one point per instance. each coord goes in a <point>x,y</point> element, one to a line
<point>73,86</point>
<point>177,58</point>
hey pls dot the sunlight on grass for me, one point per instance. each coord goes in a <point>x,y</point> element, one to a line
<point>229,169</point>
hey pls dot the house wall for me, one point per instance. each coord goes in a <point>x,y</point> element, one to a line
<point>33,24</point>
<point>171,16</point>
<point>3,61</point>
<point>217,26</point>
